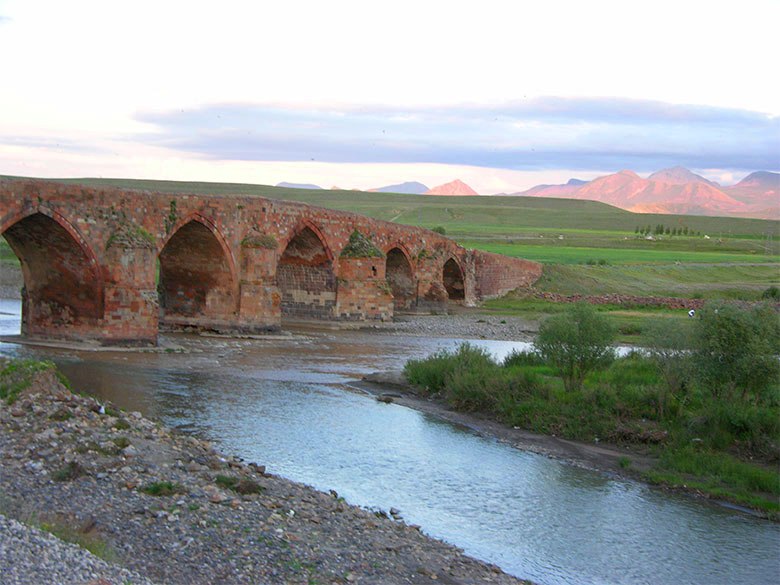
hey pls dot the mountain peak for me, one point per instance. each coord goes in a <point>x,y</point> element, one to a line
<point>678,176</point>
<point>456,187</point>
<point>410,187</point>
<point>764,179</point>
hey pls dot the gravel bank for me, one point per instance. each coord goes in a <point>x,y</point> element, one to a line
<point>465,324</point>
<point>64,461</point>
<point>29,555</point>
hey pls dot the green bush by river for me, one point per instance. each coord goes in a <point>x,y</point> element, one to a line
<point>703,398</point>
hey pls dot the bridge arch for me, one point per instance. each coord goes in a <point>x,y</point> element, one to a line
<point>64,292</point>
<point>197,276</point>
<point>305,275</point>
<point>400,275</point>
<point>454,280</point>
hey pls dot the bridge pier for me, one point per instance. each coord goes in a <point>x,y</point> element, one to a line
<point>260,303</point>
<point>363,293</point>
<point>131,313</point>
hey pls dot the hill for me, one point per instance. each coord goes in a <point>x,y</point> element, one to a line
<point>298,185</point>
<point>409,187</point>
<point>456,187</point>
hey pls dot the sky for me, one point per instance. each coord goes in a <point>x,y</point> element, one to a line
<point>503,95</point>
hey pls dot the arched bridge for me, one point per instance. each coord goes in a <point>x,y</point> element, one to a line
<point>113,265</point>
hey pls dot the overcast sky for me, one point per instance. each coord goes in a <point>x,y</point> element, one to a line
<point>503,95</point>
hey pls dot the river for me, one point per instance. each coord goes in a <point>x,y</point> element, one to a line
<point>285,403</point>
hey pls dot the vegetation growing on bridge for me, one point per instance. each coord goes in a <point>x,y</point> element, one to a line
<point>709,411</point>
<point>360,246</point>
<point>265,241</point>
<point>132,236</point>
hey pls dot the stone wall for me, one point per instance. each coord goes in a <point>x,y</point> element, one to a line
<point>497,275</point>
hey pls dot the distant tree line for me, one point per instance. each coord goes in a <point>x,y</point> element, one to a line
<point>661,229</point>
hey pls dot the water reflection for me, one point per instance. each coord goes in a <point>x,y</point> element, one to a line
<point>282,404</point>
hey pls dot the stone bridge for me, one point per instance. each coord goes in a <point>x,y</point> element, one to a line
<point>113,266</point>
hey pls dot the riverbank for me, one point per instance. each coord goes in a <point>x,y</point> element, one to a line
<point>391,386</point>
<point>628,463</point>
<point>174,510</point>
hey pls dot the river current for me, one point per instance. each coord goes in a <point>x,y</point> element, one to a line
<point>286,403</point>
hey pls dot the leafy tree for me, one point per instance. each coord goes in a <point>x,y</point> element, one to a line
<point>575,342</point>
<point>668,345</point>
<point>735,350</point>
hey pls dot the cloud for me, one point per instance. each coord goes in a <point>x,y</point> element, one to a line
<point>61,144</point>
<point>537,134</point>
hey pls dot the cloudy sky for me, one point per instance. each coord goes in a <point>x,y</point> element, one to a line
<point>501,94</point>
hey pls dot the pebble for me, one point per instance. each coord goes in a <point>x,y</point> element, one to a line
<point>288,533</point>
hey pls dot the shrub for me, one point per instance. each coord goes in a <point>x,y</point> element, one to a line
<point>735,349</point>
<point>668,345</point>
<point>522,358</point>
<point>439,229</point>
<point>772,293</point>
<point>429,374</point>
<point>576,342</point>
<point>360,246</point>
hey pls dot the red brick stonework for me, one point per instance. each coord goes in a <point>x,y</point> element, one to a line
<point>240,264</point>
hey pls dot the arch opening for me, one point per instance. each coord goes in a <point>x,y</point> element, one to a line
<point>63,291</point>
<point>452,278</point>
<point>305,278</point>
<point>195,281</point>
<point>400,277</point>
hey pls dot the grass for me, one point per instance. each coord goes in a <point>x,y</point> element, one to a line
<point>17,375</point>
<point>163,488</point>
<point>89,541</point>
<point>241,486</point>
<point>609,253</point>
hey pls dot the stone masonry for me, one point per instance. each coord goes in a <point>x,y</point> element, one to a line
<point>113,265</point>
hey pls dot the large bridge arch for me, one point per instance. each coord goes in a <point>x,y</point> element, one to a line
<point>400,276</point>
<point>454,279</point>
<point>197,276</point>
<point>305,275</point>
<point>64,292</point>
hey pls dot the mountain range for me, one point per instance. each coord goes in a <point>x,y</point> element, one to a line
<point>675,190</point>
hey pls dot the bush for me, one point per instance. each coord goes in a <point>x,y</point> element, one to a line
<point>772,293</point>
<point>522,358</point>
<point>576,342</point>
<point>439,229</point>
<point>668,345</point>
<point>735,350</point>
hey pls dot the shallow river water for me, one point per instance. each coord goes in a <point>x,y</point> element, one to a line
<point>285,403</point>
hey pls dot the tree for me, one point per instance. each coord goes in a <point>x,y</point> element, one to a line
<point>576,342</point>
<point>668,345</point>
<point>735,350</point>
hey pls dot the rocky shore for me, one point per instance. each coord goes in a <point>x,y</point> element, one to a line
<point>160,507</point>
<point>465,324</point>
